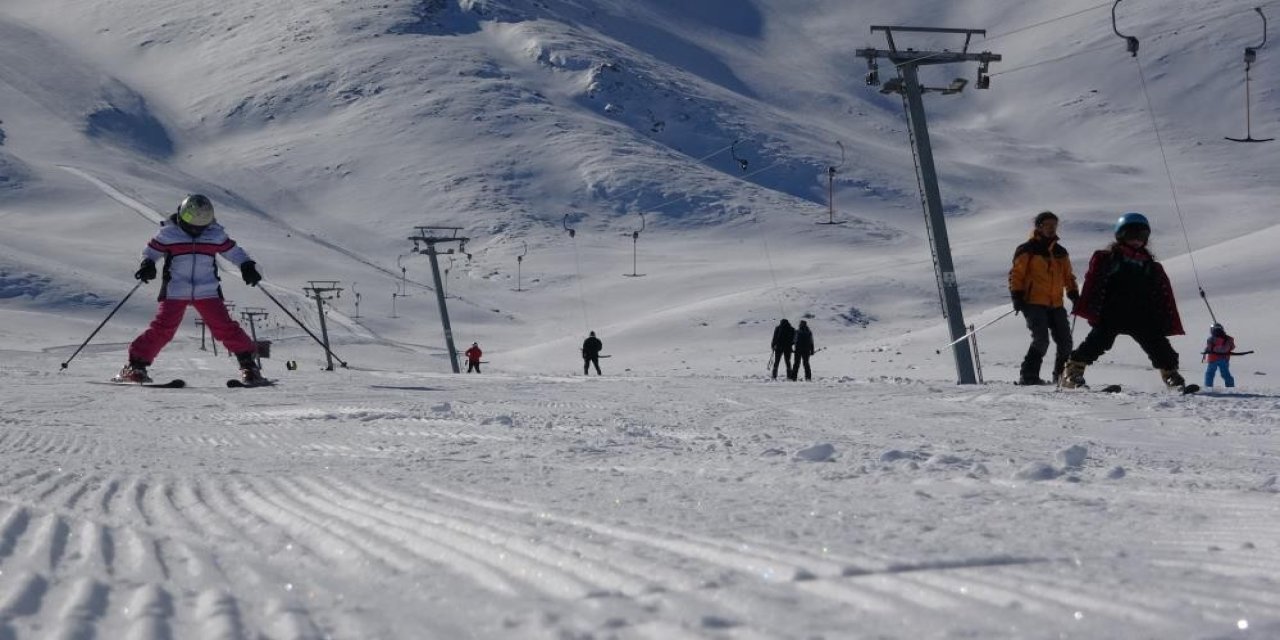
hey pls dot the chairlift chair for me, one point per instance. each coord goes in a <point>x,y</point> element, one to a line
<point>1250,56</point>
<point>831,178</point>
<point>635,238</point>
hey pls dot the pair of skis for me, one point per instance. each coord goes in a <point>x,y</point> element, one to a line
<point>1185,390</point>
<point>178,383</point>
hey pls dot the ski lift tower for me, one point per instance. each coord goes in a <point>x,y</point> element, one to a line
<point>431,236</point>
<point>907,84</point>
<point>322,290</point>
<point>252,315</point>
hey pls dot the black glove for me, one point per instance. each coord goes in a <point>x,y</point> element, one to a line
<point>1019,305</point>
<point>146,272</point>
<point>1073,296</point>
<point>249,271</point>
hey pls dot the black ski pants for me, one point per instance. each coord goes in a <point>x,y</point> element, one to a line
<point>472,365</point>
<point>587,361</point>
<point>1102,337</point>
<point>794,372</point>
<point>780,356</point>
<point>1045,322</point>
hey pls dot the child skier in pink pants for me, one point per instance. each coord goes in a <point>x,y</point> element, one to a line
<point>189,244</point>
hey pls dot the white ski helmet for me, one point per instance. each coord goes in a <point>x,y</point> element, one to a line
<point>196,210</point>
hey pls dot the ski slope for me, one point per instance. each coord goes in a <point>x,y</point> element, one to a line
<point>683,494</point>
<point>410,504</point>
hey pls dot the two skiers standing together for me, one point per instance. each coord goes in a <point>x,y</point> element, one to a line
<point>1125,292</point>
<point>788,340</point>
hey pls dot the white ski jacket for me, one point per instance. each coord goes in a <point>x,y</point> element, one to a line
<point>190,266</point>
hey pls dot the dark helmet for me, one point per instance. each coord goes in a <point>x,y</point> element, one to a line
<point>1045,215</point>
<point>1217,329</point>
<point>1131,220</point>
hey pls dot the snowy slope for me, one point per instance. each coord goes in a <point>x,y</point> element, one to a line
<point>408,504</point>
<point>325,131</point>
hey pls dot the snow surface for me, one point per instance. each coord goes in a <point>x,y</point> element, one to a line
<point>683,494</point>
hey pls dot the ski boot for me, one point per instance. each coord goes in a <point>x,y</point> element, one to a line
<point>250,374</point>
<point>1172,379</point>
<point>135,372</point>
<point>1073,375</point>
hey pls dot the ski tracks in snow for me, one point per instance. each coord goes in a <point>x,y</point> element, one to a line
<point>378,513</point>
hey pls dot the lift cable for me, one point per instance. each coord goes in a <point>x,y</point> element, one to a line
<point>1131,44</point>
<point>1175,30</point>
<point>577,262</point>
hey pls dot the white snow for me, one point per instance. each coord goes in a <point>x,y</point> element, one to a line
<point>683,494</point>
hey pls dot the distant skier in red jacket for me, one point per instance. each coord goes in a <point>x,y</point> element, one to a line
<point>473,357</point>
<point>1217,352</point>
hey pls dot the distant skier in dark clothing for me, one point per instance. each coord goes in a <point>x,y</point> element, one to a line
<point>784,337</point>
<point>804,349</point>
<point>1126,291</point>
<point>591,354</point>
<point>1040,273</point>
<point>473,357</point>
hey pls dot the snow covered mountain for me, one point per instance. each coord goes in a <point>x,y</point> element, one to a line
<point>686,144</point>
<point>326,131</point>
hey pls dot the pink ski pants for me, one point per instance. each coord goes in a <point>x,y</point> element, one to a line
<point>169,316</point>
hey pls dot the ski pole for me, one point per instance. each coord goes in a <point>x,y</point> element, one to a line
<point>966,336</point>
<point>102,324</point>
<point>304,327</point>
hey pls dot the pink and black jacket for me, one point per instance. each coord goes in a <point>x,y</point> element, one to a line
<point>189,265</point>
<point>1126,289</point>
<point>1219,347</point>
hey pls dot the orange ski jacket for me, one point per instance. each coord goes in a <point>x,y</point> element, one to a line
<point>1041,272</point>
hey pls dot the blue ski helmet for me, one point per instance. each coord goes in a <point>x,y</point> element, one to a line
<point>1130,220</point>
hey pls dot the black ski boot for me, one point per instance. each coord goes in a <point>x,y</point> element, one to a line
<point>250,373</point>
<point>1172,379</point>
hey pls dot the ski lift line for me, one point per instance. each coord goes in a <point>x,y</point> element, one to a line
<point>699,160</point>
<point>1068,56</point>
<point>582,296</point>
<point>577,263</point>
<point>1110,47</point>
<point>1042,23</point>
<point>1173,189</point>
<point>764,238</point>
<point>1132,43</point>
<point>686,197</point>
<point>1015,31</point>
<point>668,203</point>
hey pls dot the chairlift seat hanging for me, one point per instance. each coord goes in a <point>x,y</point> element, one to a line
<point>1251,56</point>
<point>831,177</point>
